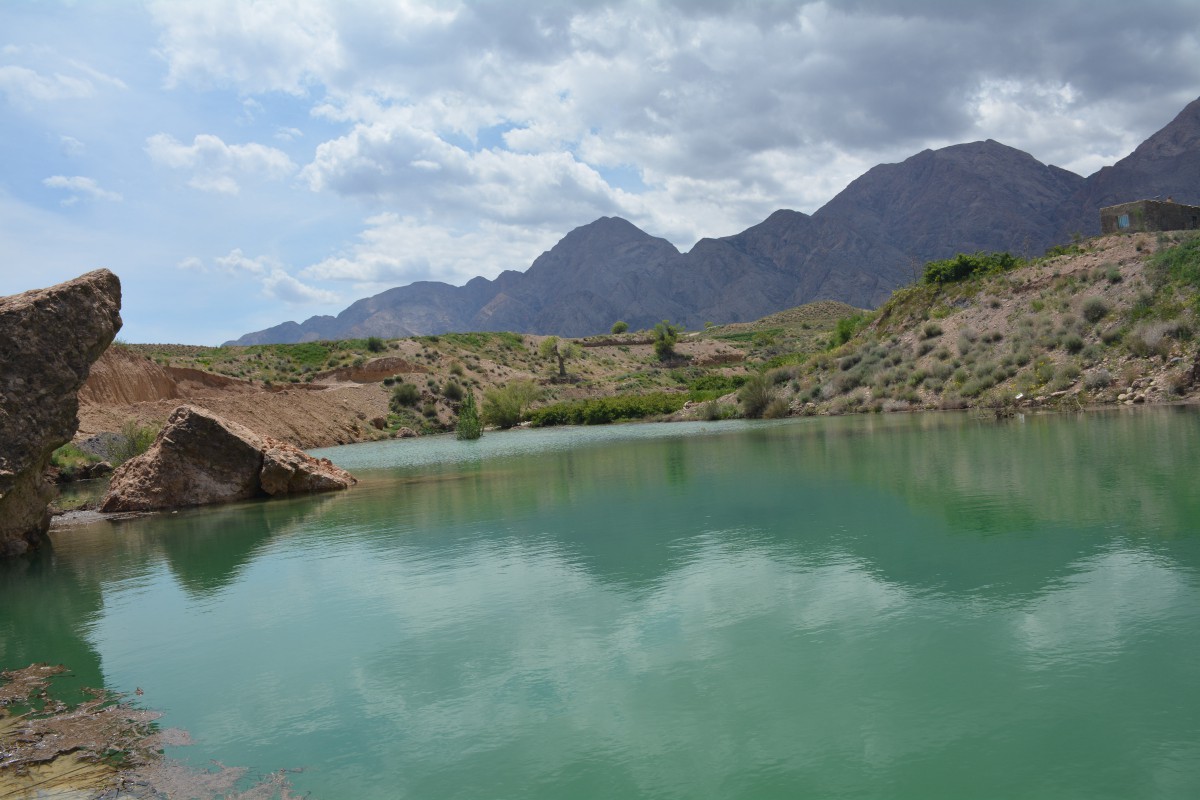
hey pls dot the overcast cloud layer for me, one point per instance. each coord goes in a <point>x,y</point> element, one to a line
<point>243,163</point>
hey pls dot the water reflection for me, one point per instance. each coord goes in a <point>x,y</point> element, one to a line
<point>901,607</point>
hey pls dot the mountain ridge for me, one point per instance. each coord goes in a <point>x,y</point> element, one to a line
<point>868,240</point>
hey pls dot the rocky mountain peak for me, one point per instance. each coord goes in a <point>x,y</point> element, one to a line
<point>861,245</point>
<point>1180,137</point>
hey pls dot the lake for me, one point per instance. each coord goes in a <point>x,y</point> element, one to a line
<point>897,606</point>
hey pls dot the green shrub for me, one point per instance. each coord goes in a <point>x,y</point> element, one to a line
<point>666,336</point>
<point>429,410</point>
<point>456,369</point>
<point>452,391</point>
<point>776,409</point>
<point>1180,264</point>
<point>846,327</point>
<point>620,326</point>
<point>931,330</point>
<point>713,411</point>
<point>756,395</point>
<point>1043,371</point>
<point>1072,343</point>
<point>132,441</point>
<point>1095,309</point>
<point>375,344</point>
<point>1154,338</point>
<point>404,395</point>
<point>710,387</point>
<point>70,459</point>
<point>506,406</point>
<point>603,410</point>
<point>469,425</point>
<point>968,265</point>
<point>1097,379</point>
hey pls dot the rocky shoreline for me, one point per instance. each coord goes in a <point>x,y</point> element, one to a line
<point>104,748</point>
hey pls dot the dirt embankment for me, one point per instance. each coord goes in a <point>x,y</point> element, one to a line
<point>124,386</point>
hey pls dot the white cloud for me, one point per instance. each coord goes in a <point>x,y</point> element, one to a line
<point>81,188</point>
<point>71,147</point>
<point>46,77</point>
<point>395,250</point>
<point>273,278</point>
<point>279,285</point>
<point>24,85</point>
<point>237,261</point>
<point>257,47</point>
<point>217,166</point>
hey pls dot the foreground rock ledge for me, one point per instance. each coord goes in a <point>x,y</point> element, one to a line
<point>49,339</point>
<point>200,459</point>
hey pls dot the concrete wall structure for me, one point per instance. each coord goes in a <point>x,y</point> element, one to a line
<point>1149,215</point>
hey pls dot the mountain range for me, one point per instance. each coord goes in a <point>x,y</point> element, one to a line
<point>865,242</point>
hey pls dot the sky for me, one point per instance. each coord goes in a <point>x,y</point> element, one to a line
<point>239,163</point>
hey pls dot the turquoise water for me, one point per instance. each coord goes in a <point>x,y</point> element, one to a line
<point>895,607</point>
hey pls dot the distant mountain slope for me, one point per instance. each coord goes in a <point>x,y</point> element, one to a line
<point>869,239</point>
<point>962,198</point>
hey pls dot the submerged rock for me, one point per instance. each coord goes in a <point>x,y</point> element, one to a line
<point>200,459</point>
<point>50,339</point>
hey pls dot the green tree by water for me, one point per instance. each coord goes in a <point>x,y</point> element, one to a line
<point>506,406</point>
<point>469,425</point>
<point>756,395</point>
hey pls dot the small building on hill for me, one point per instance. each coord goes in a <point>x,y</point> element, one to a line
<point>1149,215</point>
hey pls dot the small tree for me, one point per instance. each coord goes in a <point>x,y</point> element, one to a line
<point>665,337</point>
<point>506,406</point>
<point>553,347</point>
<point>620,326</point>
<point>469,426</point>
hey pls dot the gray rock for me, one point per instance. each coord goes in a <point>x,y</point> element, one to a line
<point>200,459</point>
<point>50,339</point>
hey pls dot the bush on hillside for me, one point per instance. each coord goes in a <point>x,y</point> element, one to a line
<point>968,265</point>
<point>666,336</point>
<point>404,395</point>
<point>1095,309</point>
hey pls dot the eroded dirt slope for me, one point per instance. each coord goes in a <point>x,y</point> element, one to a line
<point>124,386</point>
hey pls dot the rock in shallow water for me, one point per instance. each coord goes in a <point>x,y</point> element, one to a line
<point>200,459</point>
<point>49,338</point>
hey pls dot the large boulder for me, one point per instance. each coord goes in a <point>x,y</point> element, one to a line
<point>199,459</point>
<point>50,338</point>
